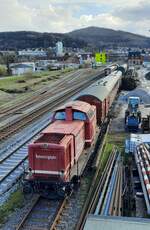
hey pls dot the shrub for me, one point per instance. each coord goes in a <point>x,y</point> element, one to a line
<point>28,75</point>
<point>15,201</point>
<point>3,71</point>
<point>21,81</point>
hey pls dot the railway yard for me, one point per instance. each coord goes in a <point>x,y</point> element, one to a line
<point>102,172</point>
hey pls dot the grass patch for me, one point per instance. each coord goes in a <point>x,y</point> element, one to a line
<point>19,88</point>
<point>23,83</point>
<point>117,139</point>
<point>15,201</point>
<point>105,154</point>
<point>26,82</point>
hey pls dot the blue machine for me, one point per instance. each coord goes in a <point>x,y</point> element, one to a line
<point>133,114</point>
<point>132,123</point>
<point>133,104</point>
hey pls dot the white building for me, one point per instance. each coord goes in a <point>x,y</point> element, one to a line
<point>34,53</point>
<point>59,49</point>
<point>22,68</point>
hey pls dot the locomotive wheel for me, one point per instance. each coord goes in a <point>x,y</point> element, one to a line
<point>27,190</point>
<point>61,192</point>
<point>76,182</point>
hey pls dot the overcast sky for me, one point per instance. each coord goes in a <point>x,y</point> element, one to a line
<point>67,15</point>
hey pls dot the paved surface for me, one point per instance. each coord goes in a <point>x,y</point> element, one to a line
<point>143,91</point>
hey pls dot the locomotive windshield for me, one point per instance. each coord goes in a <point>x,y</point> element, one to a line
<point>60,116</point>
<point>79,116</point>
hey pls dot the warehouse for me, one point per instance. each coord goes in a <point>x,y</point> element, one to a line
<point>134,140</point>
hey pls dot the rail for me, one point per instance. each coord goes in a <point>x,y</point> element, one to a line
<point>105,195</point>
<point>19,123</point>
<point>19,227</point>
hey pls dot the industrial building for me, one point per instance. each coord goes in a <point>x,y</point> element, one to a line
<point>22,68</point>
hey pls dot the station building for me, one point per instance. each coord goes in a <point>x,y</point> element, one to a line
<point>135,58</point>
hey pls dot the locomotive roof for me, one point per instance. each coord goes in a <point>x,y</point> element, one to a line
<point>64,127</point>
<point>77,105</point>
<point>102,88</point>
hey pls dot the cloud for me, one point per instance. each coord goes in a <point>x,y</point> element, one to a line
<point>136,16</point>
<point>14,16</point>
<point>67,15</point>
<point>134,13</point>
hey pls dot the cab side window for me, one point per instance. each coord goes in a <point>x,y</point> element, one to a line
<point>60,116</point>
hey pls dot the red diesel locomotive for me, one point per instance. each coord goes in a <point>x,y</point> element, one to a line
<point>54,156</point>
<point>58,156</point>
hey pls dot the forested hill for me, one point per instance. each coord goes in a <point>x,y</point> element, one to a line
<point>27,39</point>
<point>90,36</point>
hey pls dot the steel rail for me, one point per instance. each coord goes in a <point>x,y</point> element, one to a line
<point>20,225</point>
<point>55,88</point>
<point>102,187</point>
<point>39,112</point>
<point>93,195</point>
<point>21,104</point>
<point>58,214</point>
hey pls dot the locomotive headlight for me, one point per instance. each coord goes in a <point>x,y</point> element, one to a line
<point>62,173</point>
<point>30,171</point>
<point>45,145</point>
<point>63,188</point>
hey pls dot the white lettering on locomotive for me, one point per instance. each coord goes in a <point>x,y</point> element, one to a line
<point>46,157</point>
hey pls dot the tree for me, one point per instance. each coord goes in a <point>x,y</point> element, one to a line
<point>66,56</point>
<point>7,60</point>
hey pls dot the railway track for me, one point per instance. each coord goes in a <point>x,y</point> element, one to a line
<point>13,159</point>
<point>69,216</point>
<point>41,214</point>
<point>43,94</point>
<point>112,202</point>
<point>17,124</point>
<point>77,199</point>
<point>65,215</point>
<point>36,96</point>
<point>105,195</point>
<point>20,139</point>
<point>68,212</point>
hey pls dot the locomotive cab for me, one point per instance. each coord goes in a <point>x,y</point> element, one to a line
<point>79,110</point>
<point>53,155</point>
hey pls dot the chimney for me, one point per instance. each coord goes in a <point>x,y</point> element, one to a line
<point>69,113</point>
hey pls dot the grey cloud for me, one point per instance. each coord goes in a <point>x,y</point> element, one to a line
<point>138,12</point>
